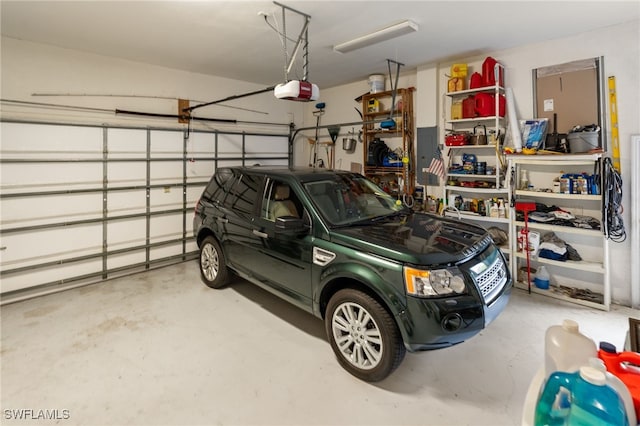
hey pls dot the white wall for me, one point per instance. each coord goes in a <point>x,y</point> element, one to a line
<point>620,47</point>
<point>29,68</point>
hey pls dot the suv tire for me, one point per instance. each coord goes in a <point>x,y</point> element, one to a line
<point>363,335</point>
<point>213,267</point>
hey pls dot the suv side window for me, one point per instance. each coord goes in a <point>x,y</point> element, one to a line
<point>279,200</point>
<point>219,185</point>
<point>243,194</point>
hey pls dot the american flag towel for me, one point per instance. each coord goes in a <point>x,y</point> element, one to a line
<point>437,165</point>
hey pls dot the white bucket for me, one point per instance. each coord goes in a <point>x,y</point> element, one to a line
<point>376,83</point>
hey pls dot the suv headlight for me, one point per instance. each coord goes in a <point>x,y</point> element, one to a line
<point>434,283</point>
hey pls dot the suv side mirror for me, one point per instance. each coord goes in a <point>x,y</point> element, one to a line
<point>290,225</point>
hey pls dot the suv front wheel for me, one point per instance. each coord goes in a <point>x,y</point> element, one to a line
<point>363,335</point>
<point>213,268</point>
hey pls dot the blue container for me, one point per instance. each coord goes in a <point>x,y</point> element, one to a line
<point>541,279</point>
<point>541,284</point>
<point>580,398</point>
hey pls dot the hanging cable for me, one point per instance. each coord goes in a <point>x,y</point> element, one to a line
<point>612,203</point>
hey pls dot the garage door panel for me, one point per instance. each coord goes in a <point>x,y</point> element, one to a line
<point>166,144</point>
<point>162,252</point>
<point>166,171</point>
<point>200,170</point>
<point>127,143</point>
<point>124,234</point>
<point>166,226</point>
<point>127,173</point>
<point>201,145</point>
<point>50,176</point>
<point>229,146</point>
<point>126,259</point>
<point>50,141</point>
<point>51,275</point>
<point>40,210</point>
<point>264,145</point>
<point>121,203</point>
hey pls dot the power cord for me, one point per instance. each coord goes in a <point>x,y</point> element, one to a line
<point>612,206</point>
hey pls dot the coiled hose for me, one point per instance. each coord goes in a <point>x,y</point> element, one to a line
<point>612,203</point>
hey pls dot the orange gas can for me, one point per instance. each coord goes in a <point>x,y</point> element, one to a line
<point>625,366</point>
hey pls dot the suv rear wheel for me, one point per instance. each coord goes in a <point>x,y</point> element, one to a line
<point>213,268</point>
<point>363,335</point>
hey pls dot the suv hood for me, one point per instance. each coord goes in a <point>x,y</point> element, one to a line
<point>416,238</point>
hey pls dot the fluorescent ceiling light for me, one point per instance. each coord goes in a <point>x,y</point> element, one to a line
<point>387,33</point>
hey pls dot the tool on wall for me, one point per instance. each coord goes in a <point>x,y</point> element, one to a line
<point>334,131</point>
<point>390,123</point>
<point>526,206</point>
<point>319,112</point>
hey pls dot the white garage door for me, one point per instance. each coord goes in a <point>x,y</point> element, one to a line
<point>81,204</point>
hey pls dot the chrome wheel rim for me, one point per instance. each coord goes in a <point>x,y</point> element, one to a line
<point>357,336</point>
<point>209,262</point>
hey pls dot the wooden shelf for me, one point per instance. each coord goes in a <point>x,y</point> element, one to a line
<point>402,135</point>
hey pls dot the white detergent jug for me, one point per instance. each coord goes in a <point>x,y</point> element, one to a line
<point>566,349</point>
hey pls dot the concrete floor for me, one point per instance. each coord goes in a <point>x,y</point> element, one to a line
<point>161,348</point>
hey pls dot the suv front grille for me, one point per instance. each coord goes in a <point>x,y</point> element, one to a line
<point>492,279</point>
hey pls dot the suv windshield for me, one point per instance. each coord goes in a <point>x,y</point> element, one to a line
<point>346,199</point>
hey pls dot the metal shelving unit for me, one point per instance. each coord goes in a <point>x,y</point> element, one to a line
<point>590,275</point>
<point>491,186</point>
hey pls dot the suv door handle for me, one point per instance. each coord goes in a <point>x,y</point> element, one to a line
<point>222,220</point>
<point>260,234</point>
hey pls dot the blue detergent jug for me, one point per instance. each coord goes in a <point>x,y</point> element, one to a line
<point>580,398</point>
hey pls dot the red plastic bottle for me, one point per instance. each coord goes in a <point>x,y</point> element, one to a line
<point>475,82</point>
<point>485,105</point>
<point>469,107</point>
<point>488,73</point>
<point>618,364</point>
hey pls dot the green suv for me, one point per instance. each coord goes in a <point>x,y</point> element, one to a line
<point>385,279</point>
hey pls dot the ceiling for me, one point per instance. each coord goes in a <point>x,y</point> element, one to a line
<point>231,39</point>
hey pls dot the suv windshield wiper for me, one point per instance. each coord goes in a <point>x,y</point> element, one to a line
<point>377,219</point>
